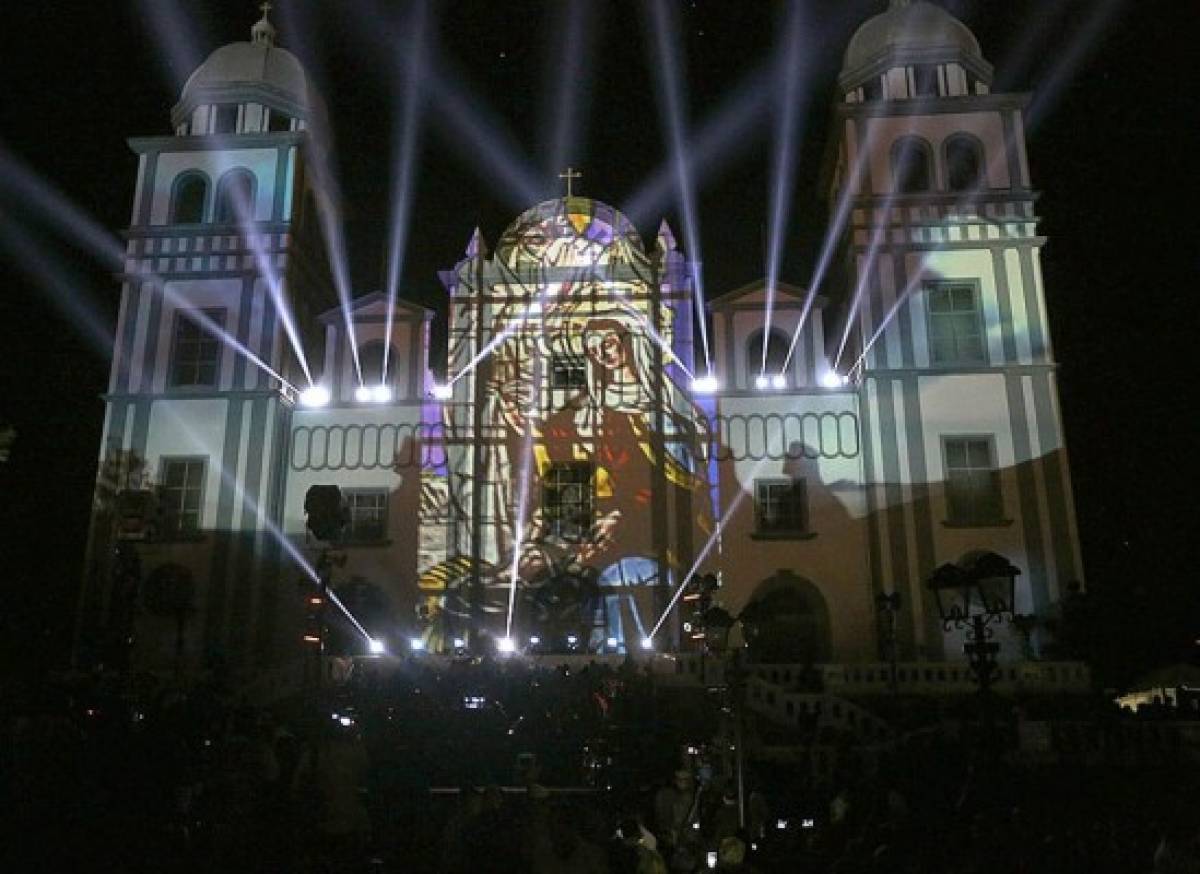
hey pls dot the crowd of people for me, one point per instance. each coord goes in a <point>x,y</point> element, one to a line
<point>499,767</point>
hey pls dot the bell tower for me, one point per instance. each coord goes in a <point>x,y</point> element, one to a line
<point>223,261</point>
<point>944,327</point>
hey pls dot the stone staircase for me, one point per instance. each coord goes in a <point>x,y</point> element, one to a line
<point>814,711</point>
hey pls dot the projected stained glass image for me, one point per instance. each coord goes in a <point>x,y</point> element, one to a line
<point>578,480</point>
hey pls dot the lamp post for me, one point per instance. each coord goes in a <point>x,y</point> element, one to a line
<point>975,594</point>
<point>717,625</point>
<point>889,603</point>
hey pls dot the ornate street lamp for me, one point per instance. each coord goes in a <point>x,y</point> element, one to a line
<point>974,594</point>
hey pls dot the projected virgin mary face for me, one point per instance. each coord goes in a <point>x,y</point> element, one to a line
<point>607,347</point>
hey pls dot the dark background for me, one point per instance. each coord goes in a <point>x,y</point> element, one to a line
<point>1112,149</point>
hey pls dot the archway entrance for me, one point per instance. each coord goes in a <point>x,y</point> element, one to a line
<point>787,622</point>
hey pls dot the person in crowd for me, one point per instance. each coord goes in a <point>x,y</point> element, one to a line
<point>632,838</point>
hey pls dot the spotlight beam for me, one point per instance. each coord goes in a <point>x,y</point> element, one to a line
<point>669,91</point>
<point>327,189</point>
<point>174,34</point>
<point>912,285</point>
<point>262,259</point>
<point>1022,51</point>
<point>860,288</point>
<point>729,129</point>
<point>250,505</point>
<point>511,327</point>
<point>970,198</point>
<point>784,163</point>
<point>712,541</point>
<point>77,226</point>
<point>407,132</point>
<point>522,509</point>
<point>63,290</point>
<point>658,338</point>
<point>829,243</point>
<point>481,134</point>
<point>834,233</point>
<point>1053,83</point>
<point>567,77</point>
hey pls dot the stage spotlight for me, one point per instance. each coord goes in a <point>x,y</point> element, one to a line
<point>459,643</point>
<point>761,381</point>
<point>442,392</point>
<point>363,395</point>
<point>535,640</point>
<point>376,646</point>
<point>611,643</point>
<point>832,379</point>
<point>314,396</point>
<point>416,644</point>
<point>381,394</point>
<point>647,643</point>
<point>705,385</point>
<point>506,645</point>
<point>779,381</point>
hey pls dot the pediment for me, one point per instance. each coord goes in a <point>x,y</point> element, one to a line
<point>373,306</point>
<point>755,294</point>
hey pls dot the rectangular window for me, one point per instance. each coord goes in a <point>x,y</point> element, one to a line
<point>181,497</point>
<point>955,324</point>
<point>972,481</point>
<point>925,80</point>
<point>873,89</point>
<point>279,122</point>
<point>781,506</point>
<point>226,121</point>
<point>567,373</point>
<point>567,500</point>
<point>196,354</point>
<point>368,515</point>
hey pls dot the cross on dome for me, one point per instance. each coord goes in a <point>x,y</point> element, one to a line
<point>263,32</point>
<point>570,175</point>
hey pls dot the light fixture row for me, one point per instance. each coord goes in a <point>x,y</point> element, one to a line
<point>318,396</point>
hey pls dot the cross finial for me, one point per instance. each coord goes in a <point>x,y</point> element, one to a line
<point>570,175</point>
<point>263,32</point>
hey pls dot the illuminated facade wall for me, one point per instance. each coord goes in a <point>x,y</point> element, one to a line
<point>803,440</point>
<point>950,342</point>
<point>222,219</point>
<point>570,479</point>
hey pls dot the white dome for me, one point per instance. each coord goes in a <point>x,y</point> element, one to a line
<point>242,65</point>
<point>909,27</point>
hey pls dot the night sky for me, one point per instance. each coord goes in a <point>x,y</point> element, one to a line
<point>1112,152</point>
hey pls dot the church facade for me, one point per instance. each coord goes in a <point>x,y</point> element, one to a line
<point>560,477</point>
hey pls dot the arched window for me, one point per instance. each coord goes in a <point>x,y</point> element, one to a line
<point>912,165</point>
<point>777,348</point>
<point>964,163</point>
<point>235,197</point>
<point>370,356</point>
<point>188,197</point>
